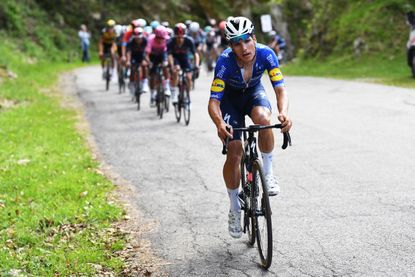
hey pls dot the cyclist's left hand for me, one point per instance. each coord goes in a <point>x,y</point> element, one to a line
<point>285,122</point>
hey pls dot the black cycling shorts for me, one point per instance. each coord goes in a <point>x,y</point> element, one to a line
<point>236,104</point>
<point>156,60</point>
<point>184,63</point>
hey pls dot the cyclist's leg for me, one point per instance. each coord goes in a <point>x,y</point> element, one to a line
<point>233,115</point>
<point>175,81</point>
<point>231,169</point>
<point>259,109</point>
<point>153,68</point>
<point>144,71</point>
<point>260,113</point>
<point>166,82</point>
<point>186,66</point>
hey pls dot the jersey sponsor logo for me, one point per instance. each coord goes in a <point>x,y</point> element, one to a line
<point>227,118</point>
<point>216,96</point>
<point>221,71</point>
<point>218,85</point>
<point>271,60</point>
<point>275,74</point>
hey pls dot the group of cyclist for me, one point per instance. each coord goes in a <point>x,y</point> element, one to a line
<point>157,44</point>
<point>236,89</point>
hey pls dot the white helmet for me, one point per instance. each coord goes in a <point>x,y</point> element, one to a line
<point>118,29</point>
<point>194,27</point>
<point>237,26</point>
<point>141,22</point>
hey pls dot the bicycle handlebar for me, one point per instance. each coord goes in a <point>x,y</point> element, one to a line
<point>256,128</point>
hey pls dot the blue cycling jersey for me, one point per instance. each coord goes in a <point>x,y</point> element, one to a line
<point>228,72</point>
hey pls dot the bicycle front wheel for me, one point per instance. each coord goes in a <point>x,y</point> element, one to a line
<point>263,222</point>
<point>160,102</point>
<point>178,105</point>
<point>107,77</point>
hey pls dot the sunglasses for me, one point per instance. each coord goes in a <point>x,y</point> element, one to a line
<point>243,37</point>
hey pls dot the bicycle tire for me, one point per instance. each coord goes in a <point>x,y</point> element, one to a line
<point>249,226</point>
<point>137,86</point>
<point>186,105</point>
<point>167,103</point>
<point>160,101</point>
<point>121,81</point>
<point>178,105</point>
<point>107,77</point>
<point>263,221</point>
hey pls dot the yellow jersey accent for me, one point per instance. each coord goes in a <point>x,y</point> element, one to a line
<point>275,74</point>
<point>218,85</point>
<point>108,37</point>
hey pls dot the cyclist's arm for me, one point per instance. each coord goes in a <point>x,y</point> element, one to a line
<point>128,57</point>
<point>113,48</point>
<point>197,59</point>
<point>171,60</point>
<point>100,47</point>
<point>282,105</point>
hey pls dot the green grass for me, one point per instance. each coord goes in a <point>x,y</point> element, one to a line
<point>54,211</point>
<point>391,70</point>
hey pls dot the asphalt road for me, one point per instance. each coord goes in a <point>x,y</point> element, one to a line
<point>347,205</point>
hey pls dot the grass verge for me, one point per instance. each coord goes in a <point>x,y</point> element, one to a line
<point>388,70</point>
<point>55,217</point>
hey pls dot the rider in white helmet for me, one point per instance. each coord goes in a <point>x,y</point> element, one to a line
<point>237,91</point>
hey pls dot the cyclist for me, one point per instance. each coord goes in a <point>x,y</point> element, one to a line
<point>107,45</point>
<point>178,49</point>
<point>210,47</point>
<point>156,52</point>
<point>119,31</point>
<point>220,34</point>
<point>237,91</point>
<point>277,44</point>
<point>136,54</point>
<point>154,24</point>
<point>198,38</point>
<point>141,23</point>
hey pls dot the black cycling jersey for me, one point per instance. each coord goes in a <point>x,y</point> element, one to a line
<point>135,47</point>
<point>181,51</point>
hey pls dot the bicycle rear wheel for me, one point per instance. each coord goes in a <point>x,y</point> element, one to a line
<point>186,106</point>
<point>263,222</point>
<point>248,218</point>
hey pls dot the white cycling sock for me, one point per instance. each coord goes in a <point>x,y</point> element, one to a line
<point>267,162</point>
<point>233,196</point>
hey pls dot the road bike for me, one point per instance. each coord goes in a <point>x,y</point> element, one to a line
<point>254,198</point>
<point>183,103</point>
<point>162,100</point>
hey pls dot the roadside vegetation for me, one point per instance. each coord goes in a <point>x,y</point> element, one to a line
<point>55,214</point>
<point>363,40</point>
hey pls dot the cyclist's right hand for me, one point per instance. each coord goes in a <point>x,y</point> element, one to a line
<point>225,131</point>
<point>101,54</point>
